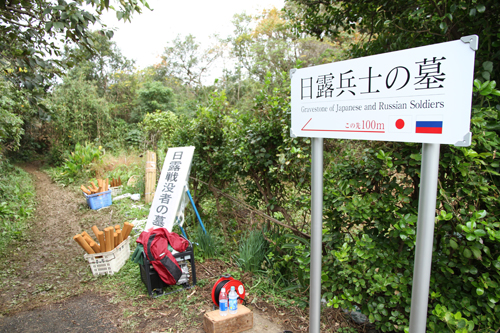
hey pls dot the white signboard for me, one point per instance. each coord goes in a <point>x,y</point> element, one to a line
<point>168,201</point>
<point>416,95</point>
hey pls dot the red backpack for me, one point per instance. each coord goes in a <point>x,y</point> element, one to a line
<point>155,244</point>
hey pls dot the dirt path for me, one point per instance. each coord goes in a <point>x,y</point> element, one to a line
<point>46,285</point>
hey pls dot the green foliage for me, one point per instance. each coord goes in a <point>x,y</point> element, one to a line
<point>154,96</point>
<point>262,151</point>
<point>124,172</point>
<point>267,43</point>
<point>206,134</point>
<point>394,25</point>
<point>346,330</point>
<point>134,138</point>
<point>186,61</point>
<point>98,64</point>
<point>79,113</point>
<point>122,93</point>
<point>371,205</point>
<point>77,164</point>
<point>206,244</point>
<point>17,202</point>
<point>29,54</point>
<point>159,126</point>
<point>372,189</point>
<point>287,262</point>
<point>252,251</point>
<point>454,321</point>
<point>12,106</point>
<point>121,135</point>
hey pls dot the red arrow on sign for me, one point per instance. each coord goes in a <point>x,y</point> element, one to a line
<point>342,130</point>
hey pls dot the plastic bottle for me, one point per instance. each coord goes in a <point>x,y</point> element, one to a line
<point>233,301</point>
<point>223,302</point>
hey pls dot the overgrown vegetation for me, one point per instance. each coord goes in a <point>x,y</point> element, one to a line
<point>252,251</point>
<point>17,202</point>
<point>250,179</point>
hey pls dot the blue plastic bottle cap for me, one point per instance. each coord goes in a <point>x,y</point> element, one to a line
<point>232,288</point>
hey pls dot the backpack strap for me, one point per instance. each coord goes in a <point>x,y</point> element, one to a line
<point>150,241</point>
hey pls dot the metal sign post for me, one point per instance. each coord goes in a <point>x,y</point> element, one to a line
<point>418,95</point>
<point>316,234</point>
<point>425,237</point>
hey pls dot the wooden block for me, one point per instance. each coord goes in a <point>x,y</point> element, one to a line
<point>232,323</point>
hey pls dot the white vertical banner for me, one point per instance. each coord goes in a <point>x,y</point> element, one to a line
<point>168,203</point>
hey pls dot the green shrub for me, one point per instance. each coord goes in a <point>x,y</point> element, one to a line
<point>287,262</point>
<point>371,204</point>
<point>77,164</point>
<point>17,201</point>
<point>159,127</point>
<point>206,246</point>
<point>252,251</point>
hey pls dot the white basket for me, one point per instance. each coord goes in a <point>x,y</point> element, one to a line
<point>109,262</point>
<point>116,190</point>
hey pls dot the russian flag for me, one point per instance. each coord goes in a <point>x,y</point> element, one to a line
<point>432,127</point>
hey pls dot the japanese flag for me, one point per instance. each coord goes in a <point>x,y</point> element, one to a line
<point>401,124</point>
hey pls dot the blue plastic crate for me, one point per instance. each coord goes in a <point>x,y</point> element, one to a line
<point>99,200</point>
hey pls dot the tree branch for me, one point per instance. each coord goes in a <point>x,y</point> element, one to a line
<point>16,23</point>
<point>418,31</point>
<point>20,11</point>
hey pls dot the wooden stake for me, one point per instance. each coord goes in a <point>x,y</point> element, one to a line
<point>86,234</point>
<point>79,239</point>
<point>150,177</point>
<point>87,239</point>
<point>127,228</point>
<point>96,231</point>
<point>102,242</point>
<point>84,189</point>
<point>120,236</point>
<point>95,247</point>
<point>109,239</point>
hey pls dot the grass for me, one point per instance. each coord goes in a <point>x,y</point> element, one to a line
<point>17,202</point>
<point>205,244</point>
<point>252,251</point>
